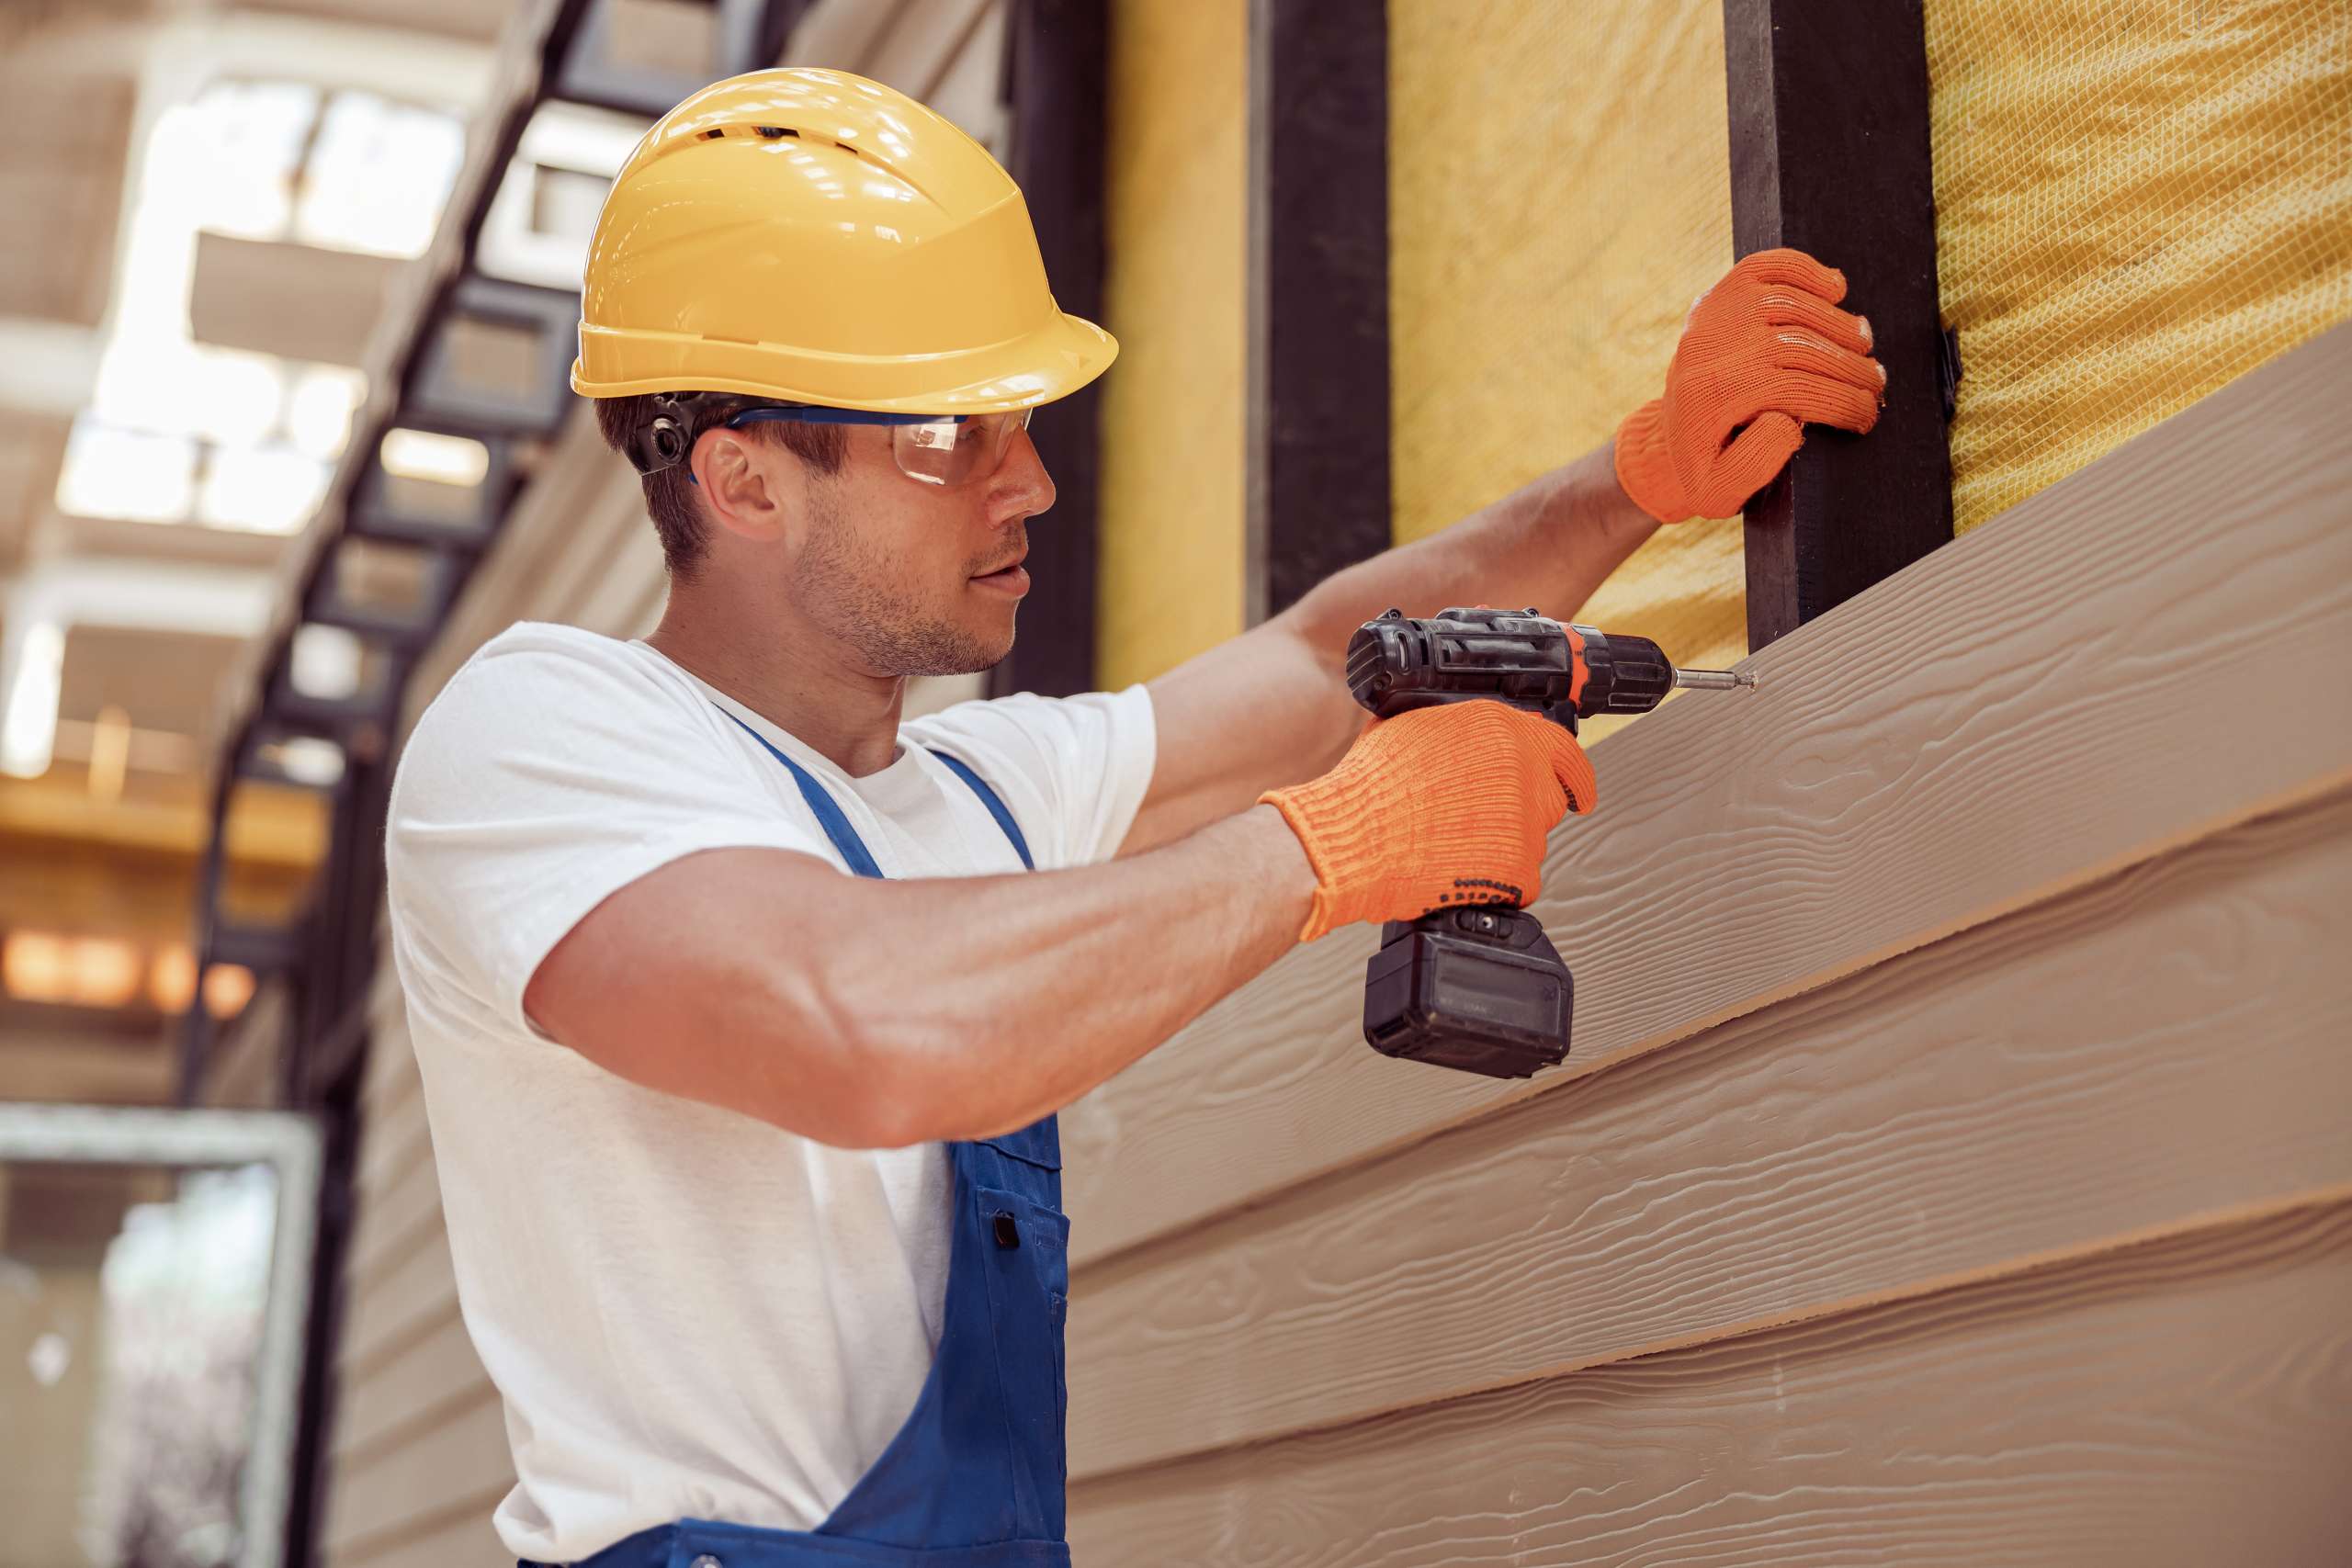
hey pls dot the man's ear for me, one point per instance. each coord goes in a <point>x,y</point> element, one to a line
<point>739,483</point>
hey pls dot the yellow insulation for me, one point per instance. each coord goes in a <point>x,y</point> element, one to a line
<point>2136,201</point>
<point>1559,190</point>
<point>1173,410</point>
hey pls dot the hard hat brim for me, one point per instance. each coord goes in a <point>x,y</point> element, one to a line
<point>1023,372</point>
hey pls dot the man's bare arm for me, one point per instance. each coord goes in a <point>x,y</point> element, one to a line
<point>1271,708</point>
<point>872,1014</point>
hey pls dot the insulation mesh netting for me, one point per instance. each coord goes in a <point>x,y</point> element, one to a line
<point>2137,200</point>
<point>1559,189</point>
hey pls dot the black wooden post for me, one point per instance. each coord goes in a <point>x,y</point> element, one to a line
<point>1828,102</point>
<point>1318,295</point>
<point>1056,65</point>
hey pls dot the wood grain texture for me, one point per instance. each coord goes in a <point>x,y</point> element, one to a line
<point>434,1475</point>
<point>389,1056</point>
<point>394,1210</point>
<point>2042,1084</point>
<point>2188,1401</point>
<point>2136,657</point>
<point>465,1540</point>
<point>388,1310</point>
<point>426,1379</point>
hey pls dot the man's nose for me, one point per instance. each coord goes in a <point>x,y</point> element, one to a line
<point>1023,486</point>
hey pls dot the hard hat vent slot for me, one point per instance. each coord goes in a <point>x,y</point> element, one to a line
<point>713,135</point>
<point>773,131</point>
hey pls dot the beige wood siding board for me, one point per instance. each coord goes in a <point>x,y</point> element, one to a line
<point>392,1132</point>
<point>393,1307</point>
<point>396,1142</point>
<point>427,1479</point>
<point>612,602</point>
<point>424,1385</point>
<point>464,1540</point>
<point>2041,1084</point>
<point>387,1101</point>
<point>2188,1401</point>
<point>390,1058</point>
<point>2128,660</point>
<point>923,44</point>
<point>435,1524</point>
<point>393,1220</point>
<point>562,532</point>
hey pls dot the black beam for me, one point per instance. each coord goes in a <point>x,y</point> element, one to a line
<point>311,1468</point>
<point>443,386</point>
<point>1828,102</point>
<point>406,629</point>
<point>196,1022</point>
<point>265,949</point>
<point>595,69</point>
<point>371,707</point>
<point>375,511</point>
<point>1055,60</point>
<point>1319,472</point>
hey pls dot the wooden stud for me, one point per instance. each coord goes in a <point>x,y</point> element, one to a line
<point>1830,155</point>
<point>1318,296</point>
<point>1056,65</point>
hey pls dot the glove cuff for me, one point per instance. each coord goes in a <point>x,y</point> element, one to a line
<point>1644,473</point>
<point>1338,852</point>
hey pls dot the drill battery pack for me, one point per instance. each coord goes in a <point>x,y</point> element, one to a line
<point>1479,988</point>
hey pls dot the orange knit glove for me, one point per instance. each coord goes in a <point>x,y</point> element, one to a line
<point>1437,805</point>
<point>1765,348</point>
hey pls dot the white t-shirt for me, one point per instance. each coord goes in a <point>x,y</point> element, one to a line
<point>688,1312</point>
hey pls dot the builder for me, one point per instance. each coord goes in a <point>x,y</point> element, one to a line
<point>741,1020</point>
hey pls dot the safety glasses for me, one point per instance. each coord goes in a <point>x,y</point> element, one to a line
<point>937,449</point>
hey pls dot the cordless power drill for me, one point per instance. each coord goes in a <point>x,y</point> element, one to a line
<point>1479,987</point>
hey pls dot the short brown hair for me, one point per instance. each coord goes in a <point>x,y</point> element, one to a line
<point>670,494</point>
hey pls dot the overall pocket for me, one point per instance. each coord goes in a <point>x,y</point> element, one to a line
<point>1026,1255</point>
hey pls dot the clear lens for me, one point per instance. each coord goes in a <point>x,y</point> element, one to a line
<point>948,452</point>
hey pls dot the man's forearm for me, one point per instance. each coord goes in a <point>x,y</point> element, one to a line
<point>1033,989</point>
<point>1549,544</point>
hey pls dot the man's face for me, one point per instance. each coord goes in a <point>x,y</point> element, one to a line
<point>907,573</point>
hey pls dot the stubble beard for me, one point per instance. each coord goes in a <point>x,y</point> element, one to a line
<point>850,586</point>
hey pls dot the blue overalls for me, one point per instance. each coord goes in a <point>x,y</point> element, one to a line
<point>974,1477</point>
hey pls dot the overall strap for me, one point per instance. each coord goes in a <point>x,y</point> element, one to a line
<point>845,836</point>
<point>988,798</point>
<point>829,815</point>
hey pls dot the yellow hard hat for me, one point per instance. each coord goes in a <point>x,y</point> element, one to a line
<point>815,237</point>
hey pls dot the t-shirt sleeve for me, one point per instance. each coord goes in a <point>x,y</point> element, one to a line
<point>537,784</point>
<point>1071,770</point>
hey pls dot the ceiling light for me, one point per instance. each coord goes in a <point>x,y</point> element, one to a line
<point>171,984</point>
<point>184,388</point>
<point>35,663</point>
<point>444,459</point>
<point>227,988</point>
<point>318,409</point>
<point>102,972</point>
<point>261,489</point>
<point>325,661</point>
<point>308,760</point>
<point>129,474</point>
<point>379,177</point>
<point>109,759</point>
<point>251,136</point>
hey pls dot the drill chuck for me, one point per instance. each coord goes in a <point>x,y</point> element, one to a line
<point>1629,674</point>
